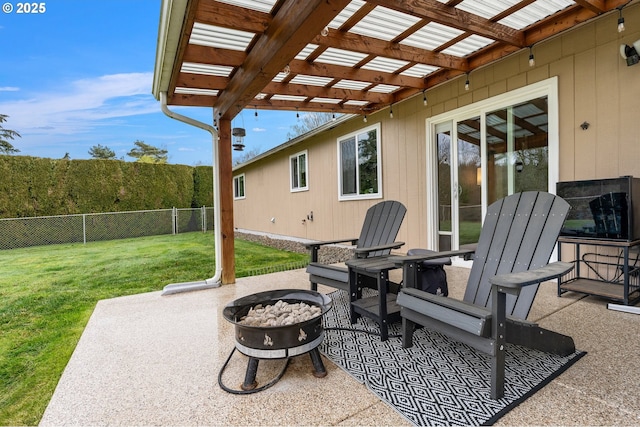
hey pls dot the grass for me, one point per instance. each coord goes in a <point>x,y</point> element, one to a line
<point>469,231</point>
<point>48,293</point>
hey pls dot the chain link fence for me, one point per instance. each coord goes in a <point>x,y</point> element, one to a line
<point>93,227</point>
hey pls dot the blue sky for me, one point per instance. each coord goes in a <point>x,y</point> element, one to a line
<point>80,74</point>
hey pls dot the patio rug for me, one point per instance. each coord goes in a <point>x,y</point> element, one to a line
<point>438,381</point>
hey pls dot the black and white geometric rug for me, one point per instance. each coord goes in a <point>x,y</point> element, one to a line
<point>438,381</point>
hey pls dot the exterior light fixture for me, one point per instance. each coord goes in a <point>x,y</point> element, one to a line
<point>620,20</point>
<point>364,119</point>
<point>630,53</point>
<point>391,111</point>
<point>424,98</point>
<point>324,32</point>
<point>239,134</point>
<point>532,60</point>
<point>466,83</point>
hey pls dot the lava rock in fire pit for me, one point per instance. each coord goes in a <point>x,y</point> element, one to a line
<point>281,313</point>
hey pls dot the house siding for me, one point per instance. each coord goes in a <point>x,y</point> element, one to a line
<point>594,85</point>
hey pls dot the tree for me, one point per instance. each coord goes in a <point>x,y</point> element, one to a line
<point>100,152</point>
<point>5,135</point>
<point>245,156</point>
<point>309,121</point>
<point>145,153</point>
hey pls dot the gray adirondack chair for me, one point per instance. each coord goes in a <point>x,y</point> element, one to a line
<point>510,261</point>
<point>377,237</point>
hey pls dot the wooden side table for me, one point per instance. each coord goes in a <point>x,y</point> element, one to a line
<point>381,308</point>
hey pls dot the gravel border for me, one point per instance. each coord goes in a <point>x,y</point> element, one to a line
<point>329,254</point>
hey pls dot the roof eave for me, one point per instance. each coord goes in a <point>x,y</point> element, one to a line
<point>172,16</point>
<point>298,139</point>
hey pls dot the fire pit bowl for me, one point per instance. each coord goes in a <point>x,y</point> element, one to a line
<point>272,342</point>
<point>277,342</point>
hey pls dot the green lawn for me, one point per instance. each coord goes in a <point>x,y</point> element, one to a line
<point>48,293</point>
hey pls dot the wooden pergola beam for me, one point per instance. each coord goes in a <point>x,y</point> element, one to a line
<point>358,43</point>
<point>290,30</point>
<point>456,18</point>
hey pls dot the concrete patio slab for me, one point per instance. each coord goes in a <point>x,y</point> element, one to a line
<point>154,360</point>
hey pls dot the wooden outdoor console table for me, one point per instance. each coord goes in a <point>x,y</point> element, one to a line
<point>607,274</point>
<point>381,308</point>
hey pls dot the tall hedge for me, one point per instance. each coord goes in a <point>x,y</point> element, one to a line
<point>31,186</point>
<point>202,186</point>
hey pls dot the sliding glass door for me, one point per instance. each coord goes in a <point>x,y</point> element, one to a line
<point>481,155</point>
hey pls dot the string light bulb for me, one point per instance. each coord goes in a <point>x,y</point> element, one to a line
<point>364,119</point>
<point>324,32</point>
<point>466,83</point>
<point>620,20</point>
<point>424,98</point>
<point>391,111</point>
<point>286,70</point>
<point>532,60</point>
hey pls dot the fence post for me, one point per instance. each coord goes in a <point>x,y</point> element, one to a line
<point>174,217</point>
<point>84,228</point>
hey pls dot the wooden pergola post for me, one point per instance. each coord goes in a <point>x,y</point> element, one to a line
<point>225,177</point>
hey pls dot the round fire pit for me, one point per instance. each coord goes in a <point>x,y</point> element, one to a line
<point>278,341</point>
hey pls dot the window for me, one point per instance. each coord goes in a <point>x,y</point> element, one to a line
<point>360,168</point>
<point>238,187</point>
<point>298,171</point>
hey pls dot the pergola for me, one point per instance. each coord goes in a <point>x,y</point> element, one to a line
<point>339,56</point>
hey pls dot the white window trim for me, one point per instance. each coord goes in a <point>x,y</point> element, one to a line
<point>297,157</point>
<point>548,87</point>
<point>244,187</point>
<point>378,195</point>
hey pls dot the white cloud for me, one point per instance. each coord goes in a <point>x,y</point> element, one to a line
<point>9,89</point>
<point>259,129</point>
<point>82,104</point>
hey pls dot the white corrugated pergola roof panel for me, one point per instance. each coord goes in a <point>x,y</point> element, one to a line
<point>308,50</point>
<point>351,84</point>
<point>431,36</point>
<point>356,102</point>
<point>206,69</point>
<point>265,6</point>
<point>195,91</point>
<point>384,88</point>
<point>468,45</point>
<point>486,8</point>
<point>383,23</point>
<point>326,100</point>
<point>419,70</point>
<point>383,64</point>
<point>224,38</point>
<point>288,98</point>
<point>302,79</point>
<point>535,12</point>
<point>280,77</point>
<point>340,57</point>
<point>346,13</point>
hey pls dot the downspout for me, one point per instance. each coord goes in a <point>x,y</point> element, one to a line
<point>214,281</point>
